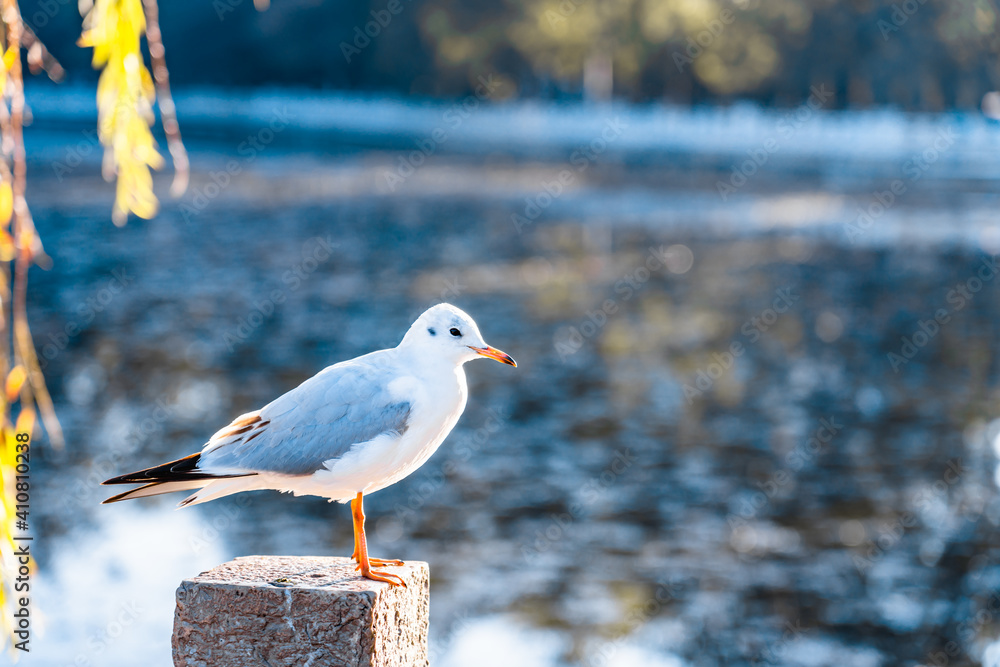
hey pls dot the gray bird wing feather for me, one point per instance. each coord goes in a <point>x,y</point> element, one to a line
<point>321,419</point>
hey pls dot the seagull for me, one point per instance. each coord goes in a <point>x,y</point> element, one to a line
<point>352,429</point>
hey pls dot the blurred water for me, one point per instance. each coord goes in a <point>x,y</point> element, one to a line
<point>706,455</point>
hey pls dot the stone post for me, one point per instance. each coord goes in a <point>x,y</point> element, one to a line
<point>289,611</point>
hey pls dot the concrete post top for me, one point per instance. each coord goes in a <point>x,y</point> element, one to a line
<point>333,573</point>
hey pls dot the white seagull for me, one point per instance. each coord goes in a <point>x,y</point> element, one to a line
<point>354,428</point>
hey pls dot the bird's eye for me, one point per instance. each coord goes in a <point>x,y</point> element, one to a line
<point>455,332</point>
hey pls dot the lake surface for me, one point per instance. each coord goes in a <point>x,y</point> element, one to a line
<point>752,429</point>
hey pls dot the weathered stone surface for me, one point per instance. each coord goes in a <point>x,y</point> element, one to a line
<point>286,611</point>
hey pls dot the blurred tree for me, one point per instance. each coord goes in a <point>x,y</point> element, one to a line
<point>915,54</point>
<point>929,54</point>
<point>125,95</point>
<point>729,50</point>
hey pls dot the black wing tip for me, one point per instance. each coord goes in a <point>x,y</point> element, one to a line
<point>117,480</point>
<point>181,469</point>
<point>119,497</point>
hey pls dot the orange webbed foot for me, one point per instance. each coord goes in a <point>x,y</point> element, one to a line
<point>383,562</point>
<point>361,550</point>
<point>380,562</point>
<point>387,577</point>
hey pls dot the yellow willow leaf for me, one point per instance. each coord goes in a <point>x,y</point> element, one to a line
<point>148,155</point>
<point>126,94</point>
<point>148,85</point>
<point>15,379</point>
<point>9,57</point>
<point>155,160</point>
<point>130,62</point>
<point>133,13</point>
<point>145,207</point>
<point>141,193</point>
<point>10,447</point>
<point>6,203</point>
<point>107,92</point>
<point>128,47</point>
<point>25,421</point>
<point>135,191</point>
<point>7,251</point>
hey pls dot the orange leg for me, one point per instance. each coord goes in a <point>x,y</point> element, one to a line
<point>354,556</point>
<point>361,549</point>
<point>357,534</point>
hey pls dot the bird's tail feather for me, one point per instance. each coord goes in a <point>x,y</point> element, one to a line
<point>179,475</point>
<point>155,489</point>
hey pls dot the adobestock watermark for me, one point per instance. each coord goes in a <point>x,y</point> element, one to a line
<point>47,10</point>
<point>913,170</point>
<point>703,40</point>
<point>108,462</point>
<point>557,17</point>
<point>666,592</point>
<point>456,114</point>
<point>677,259</point>
<point>891,532</point>
<point>76,153</point>
<point>900,14</point>
<point>743,536</point>
<point>86,313</point>
<point>773,652</point>
<point>591,492</point>
<point>438,647</point>
<point>957,299</point>
<point>315,252</point>
<point>752,330</point>
<point>99,642</point>
<point>362,36</point>
<point>390,527</point>
<point>199,197</point>
<point>988,614</point>
<point>451,289</point>
<point>580,159</point>
<point>968,632</point>
<point>787,126</point>
<point>91,142</point>
<point>228,516</point>
<point>223,7</point>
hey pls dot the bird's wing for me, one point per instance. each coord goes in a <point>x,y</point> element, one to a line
<point>320,420</point>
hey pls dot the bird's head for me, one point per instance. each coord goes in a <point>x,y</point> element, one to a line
<point>446,331</point>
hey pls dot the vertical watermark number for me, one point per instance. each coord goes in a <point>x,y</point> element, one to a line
<point>22,583</point>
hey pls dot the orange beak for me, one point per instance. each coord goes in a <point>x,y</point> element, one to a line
<point>494,354</point>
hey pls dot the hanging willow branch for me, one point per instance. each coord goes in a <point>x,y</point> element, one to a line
<point>168,113</point>
<point>126,93</point>
<point>24,385</point>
